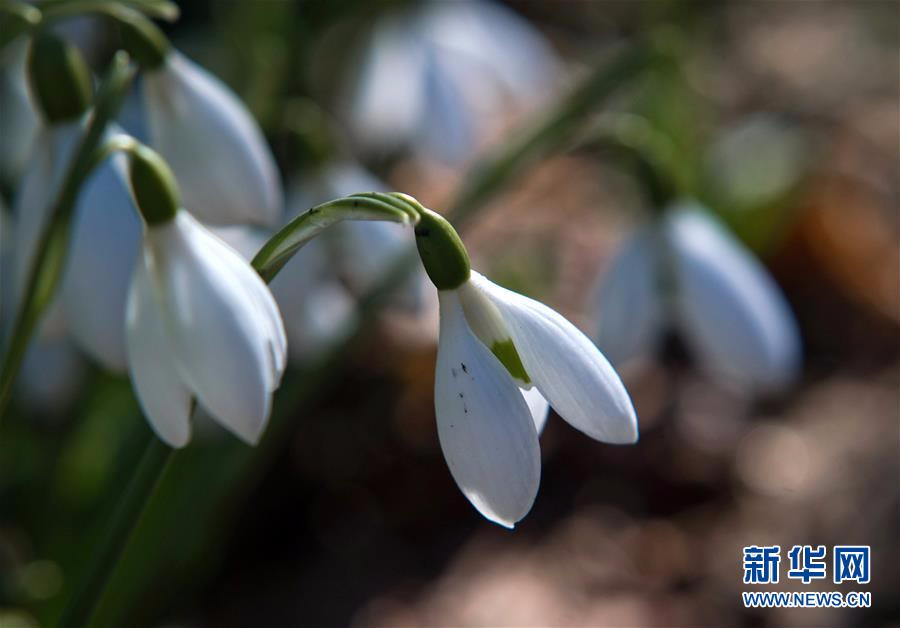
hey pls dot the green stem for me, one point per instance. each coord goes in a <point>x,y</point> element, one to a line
<point>61,9</point>
<point>115,539</point>
<point>366,206</point>
<point>47,267</point>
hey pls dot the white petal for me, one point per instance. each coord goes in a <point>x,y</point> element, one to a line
<point>164,399</point>
<point>224,167</point>
<point>19,123</point>
<point>105,241</point>
<point>628,308</point>
<point>566,367</point>
<point>226,331</point>
<point>484,425</point>
<point>498,41</point>
<point>388,101</point>
<point>538,406</point>
<point>732,312</point>
<point>35,196</point>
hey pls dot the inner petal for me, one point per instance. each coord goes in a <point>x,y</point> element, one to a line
<point>485,321</point>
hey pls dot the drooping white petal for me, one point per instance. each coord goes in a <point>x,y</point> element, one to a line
<point>447,131</point>
<point>628,306</point>
<point>34,199</point>
<point>226,332</point>
<point>486,431</point>
<point>388,101</point>
<point>496,40</point>
<point>166,402</point>
<point>565,366</point>
<point>731,311</point>
<point>19,121</point>
<point>105,240</point>
<point>538,406</point>
<point>224,168</point>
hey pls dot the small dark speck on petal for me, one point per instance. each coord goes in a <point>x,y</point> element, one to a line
<point>453,372</point>
<point>465,370</point>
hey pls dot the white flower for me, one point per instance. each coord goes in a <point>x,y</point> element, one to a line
<point>201,323</point>
<point>225,170</point>
<point>103,244</point>
<point>691,272</point>
<point>431,73</point>
<point>490,409</point>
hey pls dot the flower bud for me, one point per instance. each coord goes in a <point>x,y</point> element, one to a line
<point>153,185</point>
<point>442,252</point>
<point>60,79</point>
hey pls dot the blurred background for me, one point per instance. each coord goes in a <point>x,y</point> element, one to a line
<point>785,121</point>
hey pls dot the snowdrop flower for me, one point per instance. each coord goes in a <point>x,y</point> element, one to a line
<point>502,359</point>
<point>201,323</point>
<point>224,167</point>
<point>690,272</point>
<point>431,72</point>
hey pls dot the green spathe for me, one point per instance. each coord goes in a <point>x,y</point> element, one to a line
<point>153,185</point>
<point>442,252</point>
<point>60,79</point>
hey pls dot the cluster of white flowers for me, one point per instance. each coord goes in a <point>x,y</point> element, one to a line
<point>158,281</point>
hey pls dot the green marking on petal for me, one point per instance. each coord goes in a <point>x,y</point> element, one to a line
<point>506,352</point>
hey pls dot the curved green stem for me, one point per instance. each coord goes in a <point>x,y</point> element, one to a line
<point>47,267</point>
<point>16,17</point>
<point>650,154</point>
<point>61,9</point>
<point>366,206</point>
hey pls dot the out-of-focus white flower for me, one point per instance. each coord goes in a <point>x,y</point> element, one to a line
<point>502,359</point>
<point>103,245</point>
<point>224,167</point>
<point>688,270</point>
<point>431,72</point>
<point>52,370</point>
<point>201,323</point>
<point>18,121</point>
<point>315,306</point>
